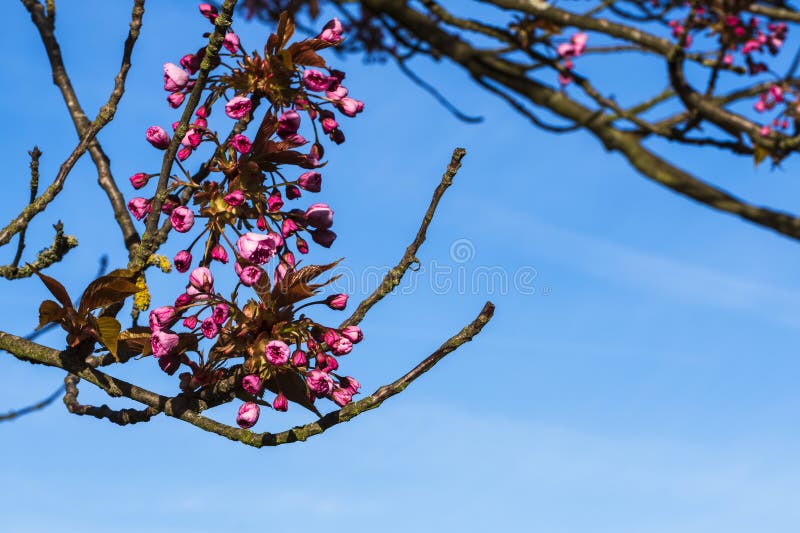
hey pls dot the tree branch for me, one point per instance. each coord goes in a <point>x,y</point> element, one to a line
<point>45,23</point>
<point>393,277</point>
<point>178,407</point>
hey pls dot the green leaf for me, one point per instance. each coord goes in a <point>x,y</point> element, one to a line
<point>49,312</point>
<point>108,329</point>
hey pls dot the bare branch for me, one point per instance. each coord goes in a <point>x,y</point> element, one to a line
<point>104,116</point>
<point>11,415</point>
<point>178,407</point>
<point>46,25</point>
<point>393,277</point>
<point>150,238</point>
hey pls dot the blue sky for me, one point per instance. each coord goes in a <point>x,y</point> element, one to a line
<point>647,385</point>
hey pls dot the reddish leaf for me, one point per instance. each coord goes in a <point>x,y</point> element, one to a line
<point>293,387</point>
<point>106,290</point>
<point>57,290</point>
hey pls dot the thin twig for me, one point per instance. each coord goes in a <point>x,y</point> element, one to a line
<point>11,415</point>
<point>393,277</point>
<point>45,23</point>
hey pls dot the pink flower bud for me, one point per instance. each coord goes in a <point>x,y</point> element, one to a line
<point>184,153</point>
<point>175,100</point>
<point>288,227</point>
<point>163,342</point>
<point>175,78</point>
<point>209,328</point>
<point>280,403</point>
<point>258,248</point>
<point>200,123</point>
<point>342,346</point>
<point>261,223</point>
<point>351,384</point>
<point>288,258</point>
<point>139,207</point>
<point>218,253</point>
<point>190,322</point>
<point>139,180</point>
<point>191,62</point>
<point>299,358</point>
<point>277,352</point>
<point>323,237</point>
<point>764,131</point>
<point>156,136</point>
<point>353,333</point>
<point>251,383</point>
<point>288,123</point>
<point>302,245</point>
<point>182,219</point>
<point>241,144</point>
<point>202,279</point>
<point>350,106</point>
<point>310,181</point>
<point>328,121</point>
<point>319,216</point>
<point>234,198</point>
<point>238,107</point>
<point>220,313</point>
<point>274,201</point>
<point>248,275</point>
<point>192,138</point>
<point>319,383</point>
<point>336,301</point>
<point>315,80</point>
<point>183,300</point>
<point>330,363</point>
<point>330,337</point>
<point>331,32</point>
<point>208,11</point>
<point>162,318</point>
<point>341,397</point>
<point>248,415</point>
<point>231,42</point>
<point>336,94</point>
<point>292,192</point>
<point>182,261</point>
<point>203,112</point>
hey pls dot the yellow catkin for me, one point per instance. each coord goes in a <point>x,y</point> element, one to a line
<point>141,300</point>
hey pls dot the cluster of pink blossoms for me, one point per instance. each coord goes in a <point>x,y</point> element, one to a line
<point>746,36</point>
<point>569,51</point>
<point>248,223</point>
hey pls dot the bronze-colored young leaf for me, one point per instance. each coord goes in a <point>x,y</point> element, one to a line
<point>104,291</point>
<point>108,329</point>
<point>57,290</point>
<point>49,312</point>
<point>296,286</point>
<point>293,387</point>
<point>134,341</point>
<point>303,54</point>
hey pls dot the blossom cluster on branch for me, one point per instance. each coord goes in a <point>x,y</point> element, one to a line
<point>243,216</point>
